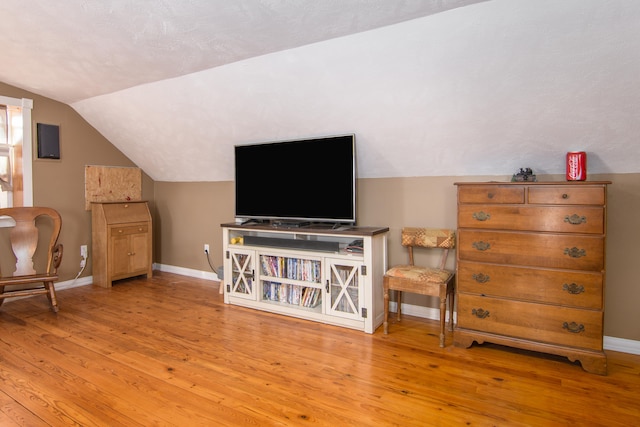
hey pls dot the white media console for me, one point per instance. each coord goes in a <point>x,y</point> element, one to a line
<point>329,275</point>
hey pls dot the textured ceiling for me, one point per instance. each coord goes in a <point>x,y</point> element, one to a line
<point>77,49</point>
<point>430,88</point>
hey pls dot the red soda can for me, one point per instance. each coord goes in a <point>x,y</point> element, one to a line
<point>576,166</point>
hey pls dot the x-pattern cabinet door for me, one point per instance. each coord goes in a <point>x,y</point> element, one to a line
<point>344,288</point>
<point>242,278</point>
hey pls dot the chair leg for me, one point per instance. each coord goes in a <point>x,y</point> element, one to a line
<point>51,295</point>
<point>386,308</point>
<point>451,299</point>
<point>443,314</point>
<point>399,304</point>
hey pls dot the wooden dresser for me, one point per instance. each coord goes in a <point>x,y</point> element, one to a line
<point>122,243</point>
<point>530,267</point>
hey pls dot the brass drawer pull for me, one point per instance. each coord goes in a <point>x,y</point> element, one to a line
<point>480,277</point>
<point>480,313</point>
<point>575,219</point>
<point>481,216</point>
<point>490,195</point>
<point>573,327</point>
<point>482,246</point>
<point>575,252</point>
<point>565,196</point>
<point>573,288</point>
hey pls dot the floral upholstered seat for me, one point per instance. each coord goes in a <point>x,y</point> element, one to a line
<point>419,274</point>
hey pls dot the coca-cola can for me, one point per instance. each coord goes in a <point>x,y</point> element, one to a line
<point>576,166</point>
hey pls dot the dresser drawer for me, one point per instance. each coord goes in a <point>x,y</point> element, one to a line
<point>129,229</point>
<point>569,219</point>
<point>559,287</point>
<point>536,322</point>
<point>548,250</point>
<point>567,195</point>
<point>491,194</point>
<point>116,213</point>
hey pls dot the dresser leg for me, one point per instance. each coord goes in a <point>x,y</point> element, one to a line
<point>461,339</point>
<point>592,364</point>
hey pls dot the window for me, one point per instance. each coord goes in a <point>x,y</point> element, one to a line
<point>15,152</point>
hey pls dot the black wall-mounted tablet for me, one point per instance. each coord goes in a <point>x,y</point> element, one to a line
<point>48,141</point>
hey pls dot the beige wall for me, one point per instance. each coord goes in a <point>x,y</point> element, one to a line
<point>60,183</point>
<point>188,215</point>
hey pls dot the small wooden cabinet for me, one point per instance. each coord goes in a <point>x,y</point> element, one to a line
<point>322,274</point>
<point>122,242</point>
<point>531,267</point>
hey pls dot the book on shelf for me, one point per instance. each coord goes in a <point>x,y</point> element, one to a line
<point>303,296</point>
<point>291,268</point>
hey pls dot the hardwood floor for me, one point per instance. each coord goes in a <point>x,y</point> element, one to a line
<point>168,351</point>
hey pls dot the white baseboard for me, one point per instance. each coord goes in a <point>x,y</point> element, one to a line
<point>420,311</point>
<point>622,345</point>
<point>610,343</point>
<point>160,267</point>
<point>187,272</point>
<point>68,284</point>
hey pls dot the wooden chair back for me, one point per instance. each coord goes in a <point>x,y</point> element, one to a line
<point>442,238</point>
<point>24,238</point>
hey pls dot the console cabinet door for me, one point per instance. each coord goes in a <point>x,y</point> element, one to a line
<point>242,279</point>
<point>344,288</point>
<point>139,261</point>
<point>119,255</point>
<point>129,251</point>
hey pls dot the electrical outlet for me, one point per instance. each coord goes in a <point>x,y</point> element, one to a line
<point>83,256</point>
<point>206,248</point>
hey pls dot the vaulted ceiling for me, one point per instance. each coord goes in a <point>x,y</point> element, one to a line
<point>429,87</point>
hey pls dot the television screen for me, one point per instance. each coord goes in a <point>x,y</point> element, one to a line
<point>300,180</point>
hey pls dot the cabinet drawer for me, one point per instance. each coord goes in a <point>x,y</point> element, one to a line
<point>491,194</point>
<point>567,195</point>
<point>116,213</point>
<point>578,219</point>
<point>559,287</point>
<point>538,322</point>
<point>129,229</point>
<point>582,252</point>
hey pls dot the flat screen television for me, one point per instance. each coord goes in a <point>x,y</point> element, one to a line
<point>289,182</point>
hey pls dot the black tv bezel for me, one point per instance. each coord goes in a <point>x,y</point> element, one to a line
<point>296,220</point>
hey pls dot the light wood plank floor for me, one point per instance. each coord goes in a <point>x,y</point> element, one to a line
<point>167,351</point>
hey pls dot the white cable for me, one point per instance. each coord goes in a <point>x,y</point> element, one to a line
<point>83,264</point>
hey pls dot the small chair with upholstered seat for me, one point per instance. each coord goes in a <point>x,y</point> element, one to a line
<point>29,248</point>
<point>437,282</point>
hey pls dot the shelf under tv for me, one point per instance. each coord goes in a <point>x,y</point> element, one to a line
<point>272,269</point>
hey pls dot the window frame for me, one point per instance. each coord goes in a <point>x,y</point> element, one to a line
<point>26,105</point>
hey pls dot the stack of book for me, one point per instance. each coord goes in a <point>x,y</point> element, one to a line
<point>291,268</point>
<point>292,294</point>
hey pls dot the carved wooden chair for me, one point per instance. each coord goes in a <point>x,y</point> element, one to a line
<point>24,240</point>
<point>437,282</point>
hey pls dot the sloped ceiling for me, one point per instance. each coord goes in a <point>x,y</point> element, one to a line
<point>428,87</point>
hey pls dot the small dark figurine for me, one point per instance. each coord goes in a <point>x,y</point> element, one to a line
<point>525,174</point>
